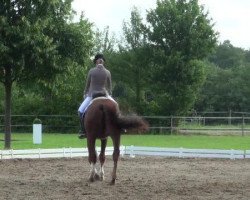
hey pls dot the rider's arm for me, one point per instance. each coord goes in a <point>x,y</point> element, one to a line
<point>86,90</point>
<point>109,84</point>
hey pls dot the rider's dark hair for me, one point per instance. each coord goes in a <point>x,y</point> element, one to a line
<point>97,56</point>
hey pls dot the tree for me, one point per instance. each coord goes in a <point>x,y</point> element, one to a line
<point>227,56</point>
<point>135,56</point>
<point>104,41</point>
<point>182,36</point>
<point>247,56</point>
<point>37,42</point>
<point>225,89</point>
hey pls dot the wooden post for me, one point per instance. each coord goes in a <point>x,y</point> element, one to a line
<point>204,121</point>
<point>243,123</point>
<point>171,128</point>
<point>229,119</point>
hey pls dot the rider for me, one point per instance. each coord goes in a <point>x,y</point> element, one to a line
<point>98,81</point>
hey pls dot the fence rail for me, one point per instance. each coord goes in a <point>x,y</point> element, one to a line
<point>131,151</point>
<point>52,153</point>
<point>160,124</point>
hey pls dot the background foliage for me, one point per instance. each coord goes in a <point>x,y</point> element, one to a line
<point>171,64</point>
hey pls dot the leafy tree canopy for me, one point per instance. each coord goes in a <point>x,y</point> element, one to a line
<point>37,41</point>
<point>181,35</point>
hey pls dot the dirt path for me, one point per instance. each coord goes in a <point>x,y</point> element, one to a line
<point>139,178</point>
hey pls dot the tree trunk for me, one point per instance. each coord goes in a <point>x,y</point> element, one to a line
<point>138,91</point>
<point>7,119</point>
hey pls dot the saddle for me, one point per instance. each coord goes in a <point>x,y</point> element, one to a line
<point>99,94</point>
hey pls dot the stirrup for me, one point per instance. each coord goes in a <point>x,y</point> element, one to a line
<point>81,136</point>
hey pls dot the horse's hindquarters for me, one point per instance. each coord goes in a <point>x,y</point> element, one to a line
<point>101,122</point>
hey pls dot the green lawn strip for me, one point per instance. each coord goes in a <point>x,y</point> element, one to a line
<point>193,142</point>
<point>220,126</point>
<point>25,141</point>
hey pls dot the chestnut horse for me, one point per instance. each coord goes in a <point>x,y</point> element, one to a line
<point>103,119</point>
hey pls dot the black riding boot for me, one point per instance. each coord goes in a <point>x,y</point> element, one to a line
<point>82,132</point>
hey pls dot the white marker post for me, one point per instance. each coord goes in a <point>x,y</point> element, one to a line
<point>37,131</point>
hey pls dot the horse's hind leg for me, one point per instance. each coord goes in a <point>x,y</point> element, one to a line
<point>116,154</point>
<point>92,160</point>
<point>102,158</point>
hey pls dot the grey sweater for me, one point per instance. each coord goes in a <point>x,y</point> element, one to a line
<point>98,80</point>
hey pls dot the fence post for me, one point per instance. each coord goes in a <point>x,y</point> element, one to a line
<point>161,130</point>
<point>132,155</point>
<point>171,121</point>
<point>181,152</point>
<point>243,123</point>
<point>230,115</point>
<point>39,153</point>
<point>232,156</point>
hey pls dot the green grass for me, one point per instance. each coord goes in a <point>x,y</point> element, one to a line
<point>225,126</point>
<point>24,141</point>
<point>193,142</point>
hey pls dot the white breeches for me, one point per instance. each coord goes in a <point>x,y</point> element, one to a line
<point>83,107</point>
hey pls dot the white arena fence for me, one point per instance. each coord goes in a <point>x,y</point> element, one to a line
<point>131,151</point>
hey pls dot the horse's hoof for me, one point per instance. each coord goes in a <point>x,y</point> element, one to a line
<point>91,179</point>
<point>112,182</point>
<point>97,177</point>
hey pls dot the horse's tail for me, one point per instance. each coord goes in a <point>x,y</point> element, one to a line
<point>132,122</point>
<point>103,117</point>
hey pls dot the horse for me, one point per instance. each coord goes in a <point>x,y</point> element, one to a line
<point>102,120</point>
